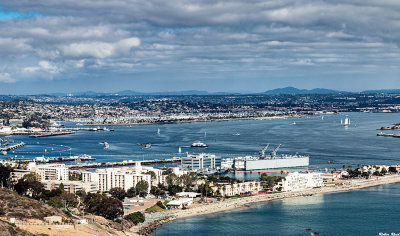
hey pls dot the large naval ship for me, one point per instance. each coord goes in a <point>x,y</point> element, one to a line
<point>263,161</point>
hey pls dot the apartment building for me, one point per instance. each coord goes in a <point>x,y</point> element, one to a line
<point>299,181</point>
<point>226,189</point>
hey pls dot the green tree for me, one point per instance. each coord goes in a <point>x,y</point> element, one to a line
<point>174,189</point>
<point>153,175</point>
<point>131,192</point>
<point>61,186</point>
<point>110,208</point>
<point>157,191</point>
<point>29,188</point>
<point>171,179</point>
<point>186,180</point>
<point>118,193</point>
<point>142,188</point>
<point>5,173</point>
<point>161,205</point>
<point>32,177</point>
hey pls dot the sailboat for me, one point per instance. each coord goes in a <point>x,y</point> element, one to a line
<point>158,131</point>
<point>346,121</point>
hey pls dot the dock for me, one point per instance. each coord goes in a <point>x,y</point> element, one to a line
<point>49,134</point>
<point>12,147</point>
<point>122,164</point>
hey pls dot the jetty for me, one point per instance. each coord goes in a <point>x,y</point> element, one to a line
<point>12,146</point>
<point>49,134</point>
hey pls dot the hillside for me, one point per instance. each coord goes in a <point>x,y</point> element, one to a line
<point>7,229</point>
<point>14,205</point>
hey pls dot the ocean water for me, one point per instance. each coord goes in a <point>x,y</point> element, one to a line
<point>324,140</point>
<point>362,212</point>
<point>329,144</point>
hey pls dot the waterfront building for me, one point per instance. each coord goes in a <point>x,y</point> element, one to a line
<point>299,181</point>
<point>202,161</point>
<point>50,171</point>
<point>180,203</point>
<point>72,186</point>
<point>227,189</point>
<point>124,178</point>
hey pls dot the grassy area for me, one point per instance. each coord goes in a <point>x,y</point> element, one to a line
<point>154,208</point>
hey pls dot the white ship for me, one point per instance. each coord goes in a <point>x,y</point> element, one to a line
<point>273,161</point>
<point>199,145</point>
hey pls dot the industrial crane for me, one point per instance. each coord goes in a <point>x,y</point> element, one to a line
<point>273,153</point>
<point>262,152</point>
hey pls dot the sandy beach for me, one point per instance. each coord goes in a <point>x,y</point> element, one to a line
<point>232,204</point>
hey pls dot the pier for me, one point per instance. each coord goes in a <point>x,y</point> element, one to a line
<point>12,147</point>
<point>122,164</point>
<point>49,134</point>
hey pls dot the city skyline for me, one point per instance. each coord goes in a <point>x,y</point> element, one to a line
<point>214,46</point>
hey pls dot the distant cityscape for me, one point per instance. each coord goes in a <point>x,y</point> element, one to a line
<point>40,111</point>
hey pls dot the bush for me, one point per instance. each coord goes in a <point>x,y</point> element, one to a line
<point>136,217</point>
<point>160,204</point>
<point>55,203</point>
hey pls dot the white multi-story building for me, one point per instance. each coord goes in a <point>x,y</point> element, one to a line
<point>299,181</point>
<point>193,162</point>
<point>72,186</point>
<point>124,178</point>
<point>227,189</point>
<point>50,171</point>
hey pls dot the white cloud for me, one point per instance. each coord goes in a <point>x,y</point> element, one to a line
<point>6,78</point>
<point>43,66</point>
<point>99,49</point>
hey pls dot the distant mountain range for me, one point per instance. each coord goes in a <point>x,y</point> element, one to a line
<point>286,90</point>
<point>292,90</point>
<point>135,93</point>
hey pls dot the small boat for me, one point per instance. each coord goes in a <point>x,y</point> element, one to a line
<point>294,122</point>
<point>199,145</point>
<point>237,134</point>
<point>145,145</point>
<point>106,145</point>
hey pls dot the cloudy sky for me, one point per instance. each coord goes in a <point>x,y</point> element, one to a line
<point>227,45</point>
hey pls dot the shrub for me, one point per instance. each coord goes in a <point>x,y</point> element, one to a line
<point>136,217</point>
<point>160,204</point>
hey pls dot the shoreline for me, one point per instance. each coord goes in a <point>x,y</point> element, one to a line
<point>195,121</point>
<point>236,204</point>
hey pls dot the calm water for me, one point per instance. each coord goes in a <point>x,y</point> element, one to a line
<point>324,140</point>
<point>362,212</point>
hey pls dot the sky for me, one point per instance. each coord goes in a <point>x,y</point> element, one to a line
<point>51,46</point>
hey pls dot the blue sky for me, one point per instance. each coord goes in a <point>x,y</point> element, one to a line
<point>230,45</point>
